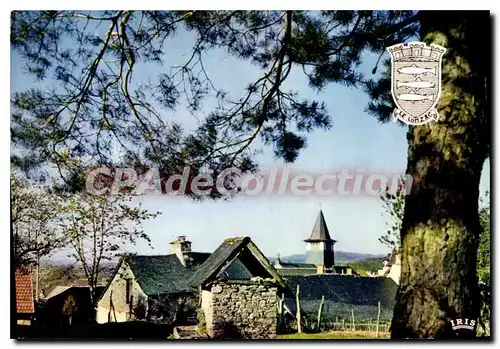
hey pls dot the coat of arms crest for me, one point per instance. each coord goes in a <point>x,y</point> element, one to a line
<point>416,81</point>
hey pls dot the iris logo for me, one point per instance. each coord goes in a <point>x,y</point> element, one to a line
<point>463,324</point>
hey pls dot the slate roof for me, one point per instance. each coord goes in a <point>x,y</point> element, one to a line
<point>52,309</point>
<point>320,230</point>
<point>345,289</point>
<point>235,271</point>
<point>226,251</point>
<point>57,290</point>
<point>165,274</point>
<point>245,258</point>
<point>297,271</point>
<point>298,265</point>
<point>24,293</point>
<point>61,289</point>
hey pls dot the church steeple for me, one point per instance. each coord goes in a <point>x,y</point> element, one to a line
<point>319,246</point>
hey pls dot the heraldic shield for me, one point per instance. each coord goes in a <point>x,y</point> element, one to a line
<point>416,81</point>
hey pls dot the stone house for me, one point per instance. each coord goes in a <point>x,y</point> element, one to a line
<point>235,292</point>
<point>152,288</point>
<point>239,290</point>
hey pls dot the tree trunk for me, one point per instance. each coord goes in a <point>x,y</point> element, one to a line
<point>441,227</point>
<point>93,301</point>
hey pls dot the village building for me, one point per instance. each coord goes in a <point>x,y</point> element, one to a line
<point>391,268</point>
<point>239,291</point>
<point>235,288</point>
<point>25,304</point>
<point>235,292</point>
<point>152,288</point>
<point>342,290</point>
<point>320,254</point>
<point>68,305</point>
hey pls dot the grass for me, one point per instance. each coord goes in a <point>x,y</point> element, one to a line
<point>336,335</point>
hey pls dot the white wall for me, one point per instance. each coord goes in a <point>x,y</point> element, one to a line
<point>113,305</point>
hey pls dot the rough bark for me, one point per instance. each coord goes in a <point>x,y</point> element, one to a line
<point>441,224</point>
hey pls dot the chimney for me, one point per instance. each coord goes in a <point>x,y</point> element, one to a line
<point>179,247</point>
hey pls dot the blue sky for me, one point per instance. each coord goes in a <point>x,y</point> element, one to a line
<point>279,224</point>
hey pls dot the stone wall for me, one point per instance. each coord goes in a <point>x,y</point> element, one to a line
<point>240,310</point>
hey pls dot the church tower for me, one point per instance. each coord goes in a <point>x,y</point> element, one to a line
<point>319,246</point>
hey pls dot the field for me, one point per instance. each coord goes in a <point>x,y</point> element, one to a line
<point>336,335</point>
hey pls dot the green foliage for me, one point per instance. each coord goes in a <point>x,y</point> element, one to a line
<point>366,265</point>
<point>70,307</point>
<point>483,267</point>
<point>92,107</point>
<point>51,276</point>
<point>394,205</point>
<point>201,321</point>
<point>484,249</point>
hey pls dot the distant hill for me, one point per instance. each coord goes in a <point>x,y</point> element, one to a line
<point>341,257</point>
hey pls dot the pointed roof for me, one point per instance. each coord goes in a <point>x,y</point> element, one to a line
<point>241,248</point>
<point>320,230</point>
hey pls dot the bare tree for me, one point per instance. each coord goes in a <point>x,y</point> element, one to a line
<point>97,227</point>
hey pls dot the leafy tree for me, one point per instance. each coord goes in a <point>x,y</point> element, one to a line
<point>51,275</point>
<point>483,267</point>
<point>441,228</point>
<point>484,249</point>
<point>365,266</point>
<point>394,205</point>
<point>70,308</point>
<point>33,221</point>
<point>94,107</point>
<point>441,224</point>
<point>97,228</point>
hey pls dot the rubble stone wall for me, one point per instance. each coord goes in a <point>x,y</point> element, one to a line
<point>241,310</point>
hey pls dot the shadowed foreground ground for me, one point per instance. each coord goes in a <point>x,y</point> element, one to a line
<point>336,335</point>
